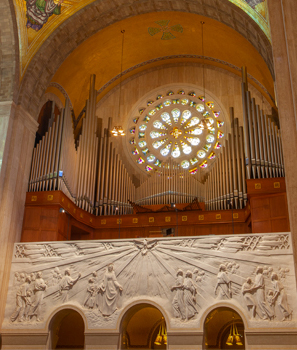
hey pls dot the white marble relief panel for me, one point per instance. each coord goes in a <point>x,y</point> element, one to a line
<point>185,276</point>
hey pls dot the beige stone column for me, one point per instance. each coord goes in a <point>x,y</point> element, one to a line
<point>282,15</point>
<point>19,133</point>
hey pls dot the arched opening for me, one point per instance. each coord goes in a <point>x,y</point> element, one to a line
<point>223,329</point>
<point>67,330</point>
<point>143,327</point>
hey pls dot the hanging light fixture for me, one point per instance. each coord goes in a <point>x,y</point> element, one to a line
<point>234,336</point>
<point>162,335</point>
<point>118,130</point>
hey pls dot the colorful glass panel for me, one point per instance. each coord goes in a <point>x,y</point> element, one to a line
<point>210,105</point>
<point>140,160</point>
<point>210,138</point>
<point>145,151</point>
<point>184,101</point>
<point>158,125</point>
<point>212,155</point>
<point>217,145</point>
<point>151,158</point>
<point>159,97</point>
<point>220,134</point>
<point>142,127</point>
<point>193,171</point>
<point>149,103</point>
<point>165,151</point>
<point>132,130</point>
<point>141,110</point>
<point>201,154</point>
<point>185,164</point>
<point>194,121</point>
<point>216,114</point>
<point>160,106</point>
<point>141,135</point>
<point>166,118</point>
<point>220,123</point>
<point>194,141</point>
<point>203,165</point>
<point>192,93</point>
<point>207,147</point>
<point>194,160</point>
<point>185,116</point>
<point>135,120</point>
<point>175,151</point>
<point>142,144</point>
<point>154,134</point>
<point>166,103</point>
<point>146,119</point>
<point>135,151</point>
<point>201,98</point>
<point>148,168</point>
<point>181,92</point>
<point>152,112</point>
<point>175,114</point>
<point>132,141</point>
<point>169,93</point>
<point>200,108</point>
<point>175,101</point>
<point>196,131</point>
<point>157,144</point>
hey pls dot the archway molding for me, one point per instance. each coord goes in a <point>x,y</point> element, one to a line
<point>77,29</point>
<point>139,302</point>
<point>226,304</point>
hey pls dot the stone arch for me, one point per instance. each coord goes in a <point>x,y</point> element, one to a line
<point>226,304</point>
<point>85,23</point>
<point>156,321</point>
<point>223,327</point>
<point>58,322</point>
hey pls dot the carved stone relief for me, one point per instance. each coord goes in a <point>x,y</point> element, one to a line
<point>185,276</point>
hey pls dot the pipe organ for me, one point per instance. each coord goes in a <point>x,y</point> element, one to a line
<point>253,151</point>
<point>93,175</point>
<point>171,184</point>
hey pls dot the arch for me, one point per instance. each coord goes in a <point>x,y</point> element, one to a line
<point>66,329</point>
<point>9,52</point>
<point>223,328</point>
<point>143,325</point>
<point>76,29</point>
<point>226,304</point>
<point>141,301</point>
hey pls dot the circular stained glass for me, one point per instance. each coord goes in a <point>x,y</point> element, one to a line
<point>184,128</point>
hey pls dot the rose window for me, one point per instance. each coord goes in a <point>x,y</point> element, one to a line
<point>184,127</point>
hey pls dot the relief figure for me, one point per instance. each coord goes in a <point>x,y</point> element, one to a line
<point>178,300</point>
<point>280,297</point>
<point>223,284</point>
<point>259,287</point>
<point>111,289</point>
<point>247,292</point>
<point>38,289</point>
<point>66,284</point>
<point>21,301</point>
<point>190,296</point>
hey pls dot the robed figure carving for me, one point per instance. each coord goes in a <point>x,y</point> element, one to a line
<point>111,290</point>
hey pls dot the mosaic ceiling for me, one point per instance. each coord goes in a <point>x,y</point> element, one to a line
<point>37,19</point>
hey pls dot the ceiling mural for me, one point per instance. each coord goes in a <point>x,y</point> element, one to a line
<point>37,19</point>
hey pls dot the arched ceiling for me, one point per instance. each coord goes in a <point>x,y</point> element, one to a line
<point>31,38</point>
<point>95,25</point>
<point>101,53</point>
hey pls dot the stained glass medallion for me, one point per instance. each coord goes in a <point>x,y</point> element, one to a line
<point>184,128</point>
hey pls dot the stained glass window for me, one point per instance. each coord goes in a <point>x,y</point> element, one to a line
<point>172,127</point>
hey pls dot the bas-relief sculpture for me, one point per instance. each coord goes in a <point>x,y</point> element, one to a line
<point>185,276</point>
